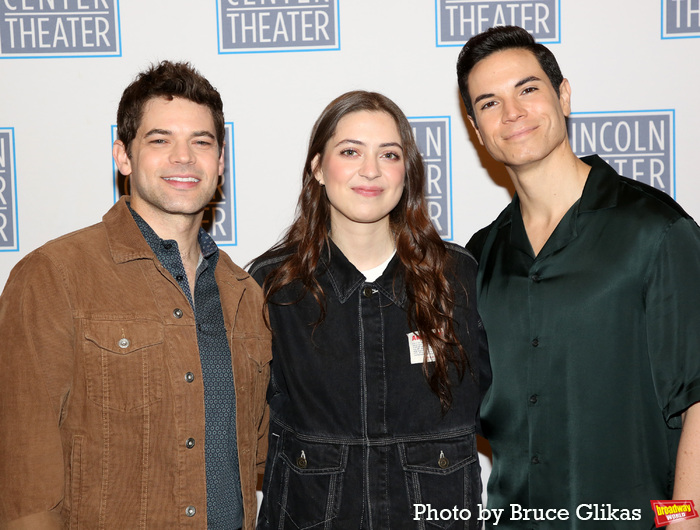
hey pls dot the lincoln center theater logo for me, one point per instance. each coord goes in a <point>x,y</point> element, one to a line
<point>680,19</point>
<point>59,28</point>
<point>220,214</point>
<point>638,144</point>
<point>8,202</point>
<point>433,136</point>
<point>456,21</point>
<point>277,25</point>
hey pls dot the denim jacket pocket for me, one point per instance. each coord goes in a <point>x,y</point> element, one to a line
<point>123,363</point>
<point>442,474</point>
<point>308,479</point>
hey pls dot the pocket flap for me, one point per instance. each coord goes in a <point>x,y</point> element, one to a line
<point>439,456</point>
<point>311,457</point>
<point>123,337</point>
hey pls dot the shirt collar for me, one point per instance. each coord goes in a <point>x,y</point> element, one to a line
<point>206,243</point>
<point>127,241</point>
<point>599,192</point>
<point>346,279</point>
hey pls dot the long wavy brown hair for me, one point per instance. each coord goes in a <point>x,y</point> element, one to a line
<point>422,253</point>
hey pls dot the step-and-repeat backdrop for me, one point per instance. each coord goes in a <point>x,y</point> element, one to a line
<point>633,67</point>
<point>277,63</point>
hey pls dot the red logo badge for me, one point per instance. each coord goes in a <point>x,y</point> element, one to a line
<point>667,512</point>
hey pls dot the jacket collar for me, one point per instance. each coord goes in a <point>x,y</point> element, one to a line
<point>126,243</point>
<point>345,279</point>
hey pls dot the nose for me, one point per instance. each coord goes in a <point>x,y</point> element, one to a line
<point>181,153</point>
<point>512,110</point>
<point>370,168</point>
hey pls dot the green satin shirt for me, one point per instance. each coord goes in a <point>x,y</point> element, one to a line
<point>595,352</point>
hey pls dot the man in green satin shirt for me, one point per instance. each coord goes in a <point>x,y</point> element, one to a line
<point>589,289</point>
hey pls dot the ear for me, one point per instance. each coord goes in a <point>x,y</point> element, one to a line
<point>476,129</point>
<point>222,157</point>
<point>317,171</point>
<point>565,97</point>
<point>121,158</point>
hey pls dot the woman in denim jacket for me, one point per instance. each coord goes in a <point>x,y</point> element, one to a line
<point>379,358</point>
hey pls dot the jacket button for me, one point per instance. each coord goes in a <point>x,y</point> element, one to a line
<point>177,313</point>
<point>301,461</point>
<point>189,377</point>
<point>190,511</point>
<point>367,292</point>
<point>443,462</point>
<point>124,343</point>
<point>189,443</point>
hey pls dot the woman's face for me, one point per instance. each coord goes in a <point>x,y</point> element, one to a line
<point>362,169</point>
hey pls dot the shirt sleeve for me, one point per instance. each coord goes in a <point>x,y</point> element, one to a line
<point>37,362</point>
<point>673,319</point>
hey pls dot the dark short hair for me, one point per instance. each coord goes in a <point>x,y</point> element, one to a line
<point>498,39</point>
<point>167,80</point>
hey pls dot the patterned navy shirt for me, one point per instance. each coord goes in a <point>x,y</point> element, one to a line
<point>224,497</point>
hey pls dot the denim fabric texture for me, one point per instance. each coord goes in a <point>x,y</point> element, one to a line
<point>357,438</point>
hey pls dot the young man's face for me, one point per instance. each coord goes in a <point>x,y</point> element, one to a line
<point>518,116</point>
<point>175,159</point>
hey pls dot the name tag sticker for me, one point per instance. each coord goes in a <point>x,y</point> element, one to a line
<point>415,348</point>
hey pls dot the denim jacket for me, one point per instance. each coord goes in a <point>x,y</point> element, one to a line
<point>102,412</point>
<point>357,438</point>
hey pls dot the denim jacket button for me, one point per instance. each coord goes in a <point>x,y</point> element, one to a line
<point>189,443</point>
<point>301,461</point>
<point>190,511</point>
<point>443,462</point>
<point>367,292</point>
<point>177,313</point>
<point>189,377</point>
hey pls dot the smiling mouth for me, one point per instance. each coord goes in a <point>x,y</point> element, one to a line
<point>520,133</point>
<point>181,179</point>
<point>367,191</point>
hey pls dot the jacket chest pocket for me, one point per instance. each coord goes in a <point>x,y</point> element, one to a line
<point>123,363</point>
<point>443,474</point>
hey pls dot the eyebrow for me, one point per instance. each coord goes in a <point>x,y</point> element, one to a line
<point>358,142</point>
<point>166,132</point>
<point>518,84</point>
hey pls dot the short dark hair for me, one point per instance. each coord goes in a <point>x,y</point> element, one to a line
<point>167,80</point>
<point>498,39</point>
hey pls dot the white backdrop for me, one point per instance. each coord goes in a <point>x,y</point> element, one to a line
<point>63,64</point>
<point>632,64</point>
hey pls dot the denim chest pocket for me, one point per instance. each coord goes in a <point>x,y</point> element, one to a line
<point>123,363</point>
<point>442,474</point>
<point>308,478</point>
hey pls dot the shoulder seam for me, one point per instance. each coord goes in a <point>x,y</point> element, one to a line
<point>269,261</point>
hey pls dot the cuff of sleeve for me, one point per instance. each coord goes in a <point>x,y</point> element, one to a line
<point>678,405</point>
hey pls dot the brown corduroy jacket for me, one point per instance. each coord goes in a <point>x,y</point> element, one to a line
<point>103,386</point>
